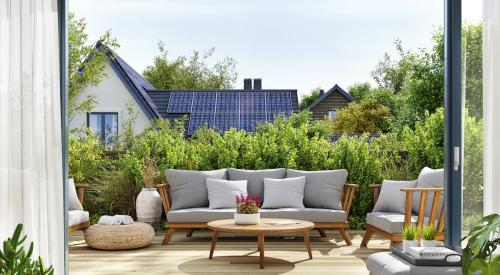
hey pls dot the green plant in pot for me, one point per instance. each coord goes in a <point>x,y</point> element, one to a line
<point>427,236</point>
<point>14,260</point>
<point>409,234</point>
<point>478,256</point>
<point>148,203</point>
<point>247,209</point>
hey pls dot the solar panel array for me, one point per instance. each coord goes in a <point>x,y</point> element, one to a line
<point>230,109</point>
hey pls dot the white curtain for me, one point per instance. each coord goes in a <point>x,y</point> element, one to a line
<point>31,188</point>
<point>491,104</point>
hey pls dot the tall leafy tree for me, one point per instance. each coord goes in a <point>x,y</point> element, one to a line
<point>308,99</point>
<point>193,72</point>
<point>86,65</point>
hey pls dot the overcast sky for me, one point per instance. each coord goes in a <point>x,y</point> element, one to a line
<point>289,44</point>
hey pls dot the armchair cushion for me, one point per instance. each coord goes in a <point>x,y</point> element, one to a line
<point>222,193</point>
<point>188,188</point>
<point>73,202</point>
<point>391,199</point>
<point>282,193</point>
<point>389,222</point>
<point>255,178</point>
<point>323,189</point>
<point>77,217</point>
<point>428,178</point>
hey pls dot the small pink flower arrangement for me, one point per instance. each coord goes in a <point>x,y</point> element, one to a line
<point>246,204</point>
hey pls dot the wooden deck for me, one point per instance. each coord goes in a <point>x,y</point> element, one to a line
<point>232,255</point>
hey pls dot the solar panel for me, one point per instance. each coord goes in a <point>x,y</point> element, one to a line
<point>204,102</point>
<point>180,102</point>
<point>197,121</point>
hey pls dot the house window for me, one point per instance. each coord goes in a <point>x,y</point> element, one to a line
<point>332,115</point>
<point>105,125</point>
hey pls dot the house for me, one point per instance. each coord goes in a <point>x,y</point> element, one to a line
<point>328,103</point>
<point>219,109</point>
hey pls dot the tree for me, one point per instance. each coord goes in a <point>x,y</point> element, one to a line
<point>192,72</point>
<point>391,74</point>
<point>86,65</point>
<point>365,117</point>
<point>308,99</point>
<point>360,90</point>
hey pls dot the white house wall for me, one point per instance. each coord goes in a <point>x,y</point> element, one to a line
<point>112,96</point>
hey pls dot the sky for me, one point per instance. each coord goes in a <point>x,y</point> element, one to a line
<point>290,44</point>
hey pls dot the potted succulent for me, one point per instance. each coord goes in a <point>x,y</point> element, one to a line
<point>247,209</point>
<point>148,203</point>
<point>427,236</point>
<point>409,237</point>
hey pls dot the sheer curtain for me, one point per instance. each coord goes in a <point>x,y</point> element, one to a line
<point>491,104</point>
<point>31,188</point>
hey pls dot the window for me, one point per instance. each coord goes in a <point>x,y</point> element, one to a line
<point>332,115</point>
<point>105,125</point>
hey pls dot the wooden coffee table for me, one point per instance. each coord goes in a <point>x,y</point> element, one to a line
<point>265,226</point>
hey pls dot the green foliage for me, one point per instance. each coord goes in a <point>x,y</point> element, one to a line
<point>473,166</point>
<point>360,90</point>
<point>194,72</point>
<point>482,241</point>
<point>472,57</point>
<point>308,99</point>
<point>85,66</point>
<point>86,156</point>
<point>14,260</point>
<point>409,232</point>
<point>366,116</point>
<point>428,232</point>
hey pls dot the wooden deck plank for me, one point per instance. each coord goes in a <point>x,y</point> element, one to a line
<point>233,255</point>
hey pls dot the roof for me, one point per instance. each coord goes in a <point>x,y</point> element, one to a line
<point>335,88</point>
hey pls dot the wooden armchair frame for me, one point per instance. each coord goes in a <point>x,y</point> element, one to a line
<point>80,191</point>
<point>397,237</point>
<point>349,191</point>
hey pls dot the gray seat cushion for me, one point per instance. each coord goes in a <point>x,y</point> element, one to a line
<point>389,222</point>
<point>386,263</point>
<point>306,214</point>
<point>255,178</point>
<point>428,178</point>
<point>188,188</point>
<point>324,189</point>
<point>77,217</point>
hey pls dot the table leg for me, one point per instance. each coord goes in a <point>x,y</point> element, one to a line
<point>214,241</point>
<point>308,243</point>
<point>261,250</point>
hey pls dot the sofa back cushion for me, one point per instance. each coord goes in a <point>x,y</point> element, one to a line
<point>73,202</point>
<point>188,189</point>
<point>428,178</point>
<point>255,178</point>
<point>391,198</point>
<point>284,193</point>
<point>222,193</point>
<point>324,189</point>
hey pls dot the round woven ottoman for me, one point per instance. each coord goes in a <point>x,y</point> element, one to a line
<point>119,237</point>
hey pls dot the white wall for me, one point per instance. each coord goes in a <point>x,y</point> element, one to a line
<point>112,96</point>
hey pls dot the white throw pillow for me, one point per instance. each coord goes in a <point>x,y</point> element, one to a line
<point>391,199</point>
<point>222,193</point>
<point>429,178</point>
<point>284,193</point>
<point>73,202</point>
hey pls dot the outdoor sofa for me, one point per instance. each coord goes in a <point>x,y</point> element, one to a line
<point>78,219</point>
<point>327,199</point>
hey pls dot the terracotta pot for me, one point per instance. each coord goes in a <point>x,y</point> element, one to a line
<point>148,206</point>
<point>246,218</point>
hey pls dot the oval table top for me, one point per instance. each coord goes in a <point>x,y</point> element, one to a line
<point>265,225</point>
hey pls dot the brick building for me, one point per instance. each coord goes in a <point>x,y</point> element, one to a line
<point>328,103</point>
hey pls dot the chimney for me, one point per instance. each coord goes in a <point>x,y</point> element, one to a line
<point>247,84</point>
<point>257,84</point>
<point>321,92</point>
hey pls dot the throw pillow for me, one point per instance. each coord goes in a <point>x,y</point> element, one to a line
<point>429,178</point>
<point>391,199</point>
<point>222,193</point>
<point>284,193</point>
<point>73,202</point>
<point>255,178</point>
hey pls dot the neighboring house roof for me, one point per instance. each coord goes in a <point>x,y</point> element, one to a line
<point>335,88</point>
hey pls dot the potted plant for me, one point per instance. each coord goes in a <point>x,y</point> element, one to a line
<point>478,256</point>
<point>148,203</point>
<point>427,236</point>
<point>247,209</point>
<point>409,237</point>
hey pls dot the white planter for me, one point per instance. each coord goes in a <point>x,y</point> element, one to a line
<point>407,244</point>
<point>246,218</point>
<point>148,206</point>
<point>427,243</point>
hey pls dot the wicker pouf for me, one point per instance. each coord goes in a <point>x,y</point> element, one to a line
<point>119,237</point>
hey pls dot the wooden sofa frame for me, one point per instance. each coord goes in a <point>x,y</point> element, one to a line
<point>80,190</point>
<point>397,237</point>
<point>349,191</point>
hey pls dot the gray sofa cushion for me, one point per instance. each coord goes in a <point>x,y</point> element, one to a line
<point>255,178</point>
<point>390,222</point>
<point>324,189</point>
<point>222,193</point>
<point>306,214</point>
<point>391,198</point>
<point>77,217</point>
<point>385,263</point>
<point>281,193</point>
<point>188,189</point>
<point>428,178</point>
<point>73,202</point>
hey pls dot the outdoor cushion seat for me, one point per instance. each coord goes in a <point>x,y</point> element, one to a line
<point>207,215</point>
<point>386,263</point>
<point>77,217</point>
<point>390,222</point>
